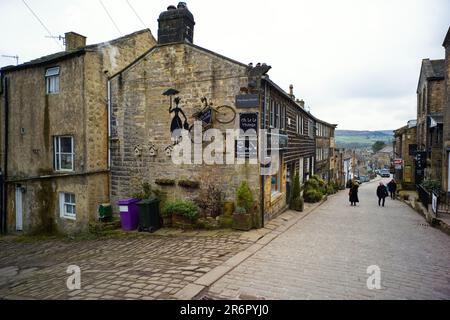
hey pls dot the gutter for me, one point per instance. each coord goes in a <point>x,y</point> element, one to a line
<point>262,176</point>
<point>109,124</point>
<point>4,195</point>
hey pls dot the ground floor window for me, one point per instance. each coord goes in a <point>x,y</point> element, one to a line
<point>67,205</point>
<point>275,183</point>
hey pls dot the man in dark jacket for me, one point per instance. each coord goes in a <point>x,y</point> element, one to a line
<point>392,187</point>
<point>382,193</point>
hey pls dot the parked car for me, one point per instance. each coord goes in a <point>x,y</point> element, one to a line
<point>385,173</point>
<point>364,179</point>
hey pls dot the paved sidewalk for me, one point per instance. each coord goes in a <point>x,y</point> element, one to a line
<point>326,256</point>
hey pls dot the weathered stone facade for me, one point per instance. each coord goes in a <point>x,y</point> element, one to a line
<point>78,110</point>
<point>325,150</point>
<point>141,120</point>
<point>446,117</point>
<point>403,139</point>
<point>430,97</point>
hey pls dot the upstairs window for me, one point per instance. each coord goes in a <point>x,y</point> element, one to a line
<point>52,80</point>
<point>63,153</point>
<point>272,115</point>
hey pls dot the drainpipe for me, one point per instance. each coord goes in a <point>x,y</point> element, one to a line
<point>5,162</point>
<point>262,176</point>
<point>109,124</point>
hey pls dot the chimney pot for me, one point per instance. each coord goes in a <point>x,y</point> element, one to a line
<point>176,25</point>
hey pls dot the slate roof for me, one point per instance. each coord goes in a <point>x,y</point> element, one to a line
<point>387,149</point>
<point>433,68</point>
<point>66,54</point>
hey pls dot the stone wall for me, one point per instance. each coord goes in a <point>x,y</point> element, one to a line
<point>446,139</point>
<point>141,120</point>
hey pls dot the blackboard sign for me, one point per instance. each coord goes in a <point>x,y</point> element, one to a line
<point>248,121</point>
<point>206,116</point>
<point>421,158</point>
<point>247,101</point>
<point>412,149</point>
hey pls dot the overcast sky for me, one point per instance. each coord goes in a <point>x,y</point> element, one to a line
<point>354,62</point>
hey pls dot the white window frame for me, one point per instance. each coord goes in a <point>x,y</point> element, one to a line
<point>301,170</point>
<point>64,206</point>
<point>57,154</point>
<point>272,114</point>
<point>52,80</point>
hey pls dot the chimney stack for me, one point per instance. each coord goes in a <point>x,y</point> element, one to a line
<point>176,24</point>
<point>291,91</point>
<point>302,103</point>
<point>74,41</point>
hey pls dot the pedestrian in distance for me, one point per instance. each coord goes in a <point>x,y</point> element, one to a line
<point>382,193</point>
<point>392,187</point>
<point>353,193</point>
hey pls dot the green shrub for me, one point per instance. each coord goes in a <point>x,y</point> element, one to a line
<point>241,210</point>
<point>296,199</point>
<point>145,193</point>
<point>244,196</point>
<point>312,196</point>
<point>165,182</point>
<point>190,184</point>
<point>432,185</point>
<point>181,207</point>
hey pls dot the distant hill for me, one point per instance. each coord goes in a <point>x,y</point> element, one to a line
<point>361,139</point>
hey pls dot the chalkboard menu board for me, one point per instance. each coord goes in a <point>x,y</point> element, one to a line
<point>247,147</point>
<point>248,121</point>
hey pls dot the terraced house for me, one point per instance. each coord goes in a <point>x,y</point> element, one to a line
<point>325,150</point>
<point>54,147</point>
<point>430,98</point>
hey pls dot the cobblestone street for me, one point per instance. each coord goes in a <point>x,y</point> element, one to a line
<point>326,255</point>
<point>146,267</point>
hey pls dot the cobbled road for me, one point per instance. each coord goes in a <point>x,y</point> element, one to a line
<point>142,267</point>
<point>326,256</point>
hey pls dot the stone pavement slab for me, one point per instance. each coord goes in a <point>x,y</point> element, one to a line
<point>326,255</point>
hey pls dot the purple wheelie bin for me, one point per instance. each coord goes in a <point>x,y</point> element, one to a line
<point>129,213</point>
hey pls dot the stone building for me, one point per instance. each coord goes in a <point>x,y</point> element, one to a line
<point>446,117</point>
<point>176,83</point>
<point>54,147</point>
<point>325,149</point>
<point>405,147</point>
<point>430,97</point>
<point>383,158</point>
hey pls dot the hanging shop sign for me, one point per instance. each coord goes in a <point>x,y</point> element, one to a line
<point>247,101</point>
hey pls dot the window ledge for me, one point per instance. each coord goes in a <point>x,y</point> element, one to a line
<point>275,196</point>
<point>69,218</point>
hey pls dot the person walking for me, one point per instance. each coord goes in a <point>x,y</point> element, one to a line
<point>382,193</point>
<point>392,187</point>
<point>353,193</point>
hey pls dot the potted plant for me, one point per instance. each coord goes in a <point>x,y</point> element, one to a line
<point>296,199</point>
<point>183,213</point>
<point>242,217</point>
